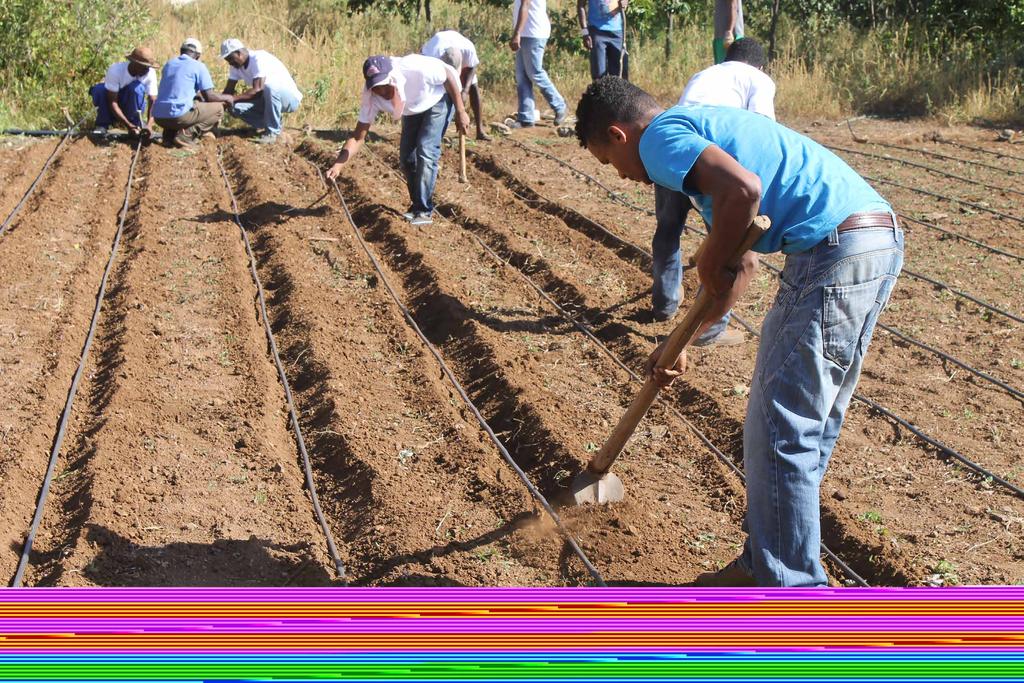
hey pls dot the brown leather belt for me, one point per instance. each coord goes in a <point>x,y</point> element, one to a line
<point>870,219</point>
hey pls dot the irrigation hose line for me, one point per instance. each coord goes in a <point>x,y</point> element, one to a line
<point>538,496</point>
<point>960,236</point>
<point>881,325</point>
<point>65,416</point>
<point>947,157</point>
<point>31,188</point>
<point>980,149</point>
<point>722,457</point>
<point>935,443</point>
<point>977,207</point>
<point>925,167</point>
<point>310,484</point>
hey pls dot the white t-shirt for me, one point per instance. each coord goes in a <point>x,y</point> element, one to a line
<point>537,23</point>
<point>264,65</point>
<point>117,77</point>
<point>420,82</point>
<point>442,40</point>
<point>732,84</point>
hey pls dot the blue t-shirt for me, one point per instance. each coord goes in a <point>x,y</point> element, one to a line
<point>182,78</point>
<point>601,18</point>
<point>806,190</point>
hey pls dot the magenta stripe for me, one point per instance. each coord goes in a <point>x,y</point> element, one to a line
<point>199,624</point>
<point>509,595</point>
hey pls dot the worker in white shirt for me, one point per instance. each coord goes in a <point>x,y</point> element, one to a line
<point>440,45</point>
<point>123,94</point>
<point>424,93</point>
<point>271,89</point>
<point>737,82</point>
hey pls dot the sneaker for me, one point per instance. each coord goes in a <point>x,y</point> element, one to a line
<point>728,337</point>
<point>266,139</point>
<point>100,131</point>
<point>561,116</point>
<point>731,575</point>
<point>422,218</point>
<point>409,215</point>
<point>516,123</point>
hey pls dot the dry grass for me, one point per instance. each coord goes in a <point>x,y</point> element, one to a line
<point>826,76</point>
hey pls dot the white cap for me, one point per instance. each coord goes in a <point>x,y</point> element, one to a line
<point>192,44</point>
<point>230,45</point>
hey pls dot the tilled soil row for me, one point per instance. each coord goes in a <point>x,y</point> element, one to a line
<point>514,231</point>
<point>51,261</point>
<point>21,160</point>
<point>552,396</point>
<point>874,498</point>
<point>179,468</point>
<point>413,489</point>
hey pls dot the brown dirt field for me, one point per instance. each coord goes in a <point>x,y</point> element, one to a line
<point>180,467</point>
<point>21,159</point>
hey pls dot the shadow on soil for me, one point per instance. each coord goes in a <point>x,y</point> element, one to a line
<point>224,562</point>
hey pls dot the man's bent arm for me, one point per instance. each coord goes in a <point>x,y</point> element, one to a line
<point>735,198</point>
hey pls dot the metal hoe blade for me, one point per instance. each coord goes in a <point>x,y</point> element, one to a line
<point>592,488</point>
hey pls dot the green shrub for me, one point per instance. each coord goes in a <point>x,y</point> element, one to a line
<point>51,51</point>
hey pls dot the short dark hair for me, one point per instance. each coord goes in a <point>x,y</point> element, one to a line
<point>748,51</point>
<point>188,51</point>
<point>607,100</point>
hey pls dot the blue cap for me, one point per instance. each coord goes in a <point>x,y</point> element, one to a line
<point>376,70</point>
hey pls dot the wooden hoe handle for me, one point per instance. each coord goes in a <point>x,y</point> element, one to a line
<point>677,341</point>
<point>462,159</point>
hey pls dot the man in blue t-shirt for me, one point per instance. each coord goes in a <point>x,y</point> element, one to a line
<point>844,251</point>
<point>184,118</point>
<point>601,28</point>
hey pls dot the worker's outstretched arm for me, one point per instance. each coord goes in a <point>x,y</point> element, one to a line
<point>351,148</point>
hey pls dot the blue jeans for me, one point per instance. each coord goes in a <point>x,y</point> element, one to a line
<point>131,98</point>
<point>420,149</point>
<point>530,72</point>
<point>813,343</point>
<point>258,114</point>
<point>670,209</point>
<point>606,54</point>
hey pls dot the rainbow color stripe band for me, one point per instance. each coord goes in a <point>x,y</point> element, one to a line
<point>967,634</point>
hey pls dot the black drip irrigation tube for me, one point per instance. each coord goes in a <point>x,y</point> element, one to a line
<point>586,330</point>
<point>31,188</point>
<point>310,484</point>
<point>65,416</point>
<point>955,200</point>
<point>962,237</point>
<point>534,491</point>
<point>935,443</point>
<point>925,167</point>
<point>947,157</point>
<point>1001,155</point>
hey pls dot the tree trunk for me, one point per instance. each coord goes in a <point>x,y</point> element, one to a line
<point>426,5</point>
<point>668,35</point>
<point>776,10</point>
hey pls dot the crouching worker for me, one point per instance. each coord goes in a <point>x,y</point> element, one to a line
<point>424,92</point>
<point>271,90</point>
<point>458,52</point>
<point>124,93</point>
<point>844,251</point>
<point>184,117</point>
